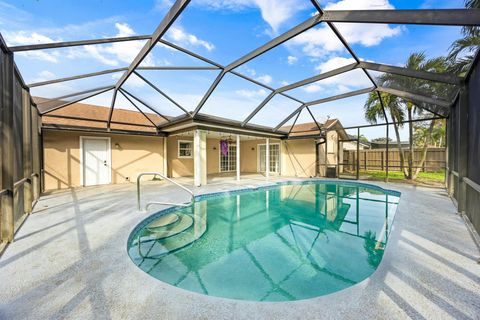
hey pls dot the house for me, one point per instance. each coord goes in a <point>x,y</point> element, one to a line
<point>79,150</point>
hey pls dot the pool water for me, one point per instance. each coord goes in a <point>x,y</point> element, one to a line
<point>288,242</point>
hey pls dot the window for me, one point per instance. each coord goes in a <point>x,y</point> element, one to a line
<point>229,162</point>
<point>185,149</point>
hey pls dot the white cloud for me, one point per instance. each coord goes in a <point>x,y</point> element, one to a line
<point>110,54</point>
<point>251,93</point>
<point>94,52</point>
<point>44,76</point>
<point>334,63</point>
<point>312,88</point>
<point>265,79</point>
<point>161,5</point>
<point>24,38</point>
<point>292,60</point>
<point>359,5</point>
<point>319,41</point>
<point>353,79</point>
<point>284,83</point>
<point>274,12</point>
<point>181,37</point>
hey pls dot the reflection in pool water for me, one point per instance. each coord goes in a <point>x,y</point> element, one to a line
<point>288,242</point>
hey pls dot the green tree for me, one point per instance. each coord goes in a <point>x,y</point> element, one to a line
<point>462,51</point>
<point>374,112</point>
<point>405,108</point>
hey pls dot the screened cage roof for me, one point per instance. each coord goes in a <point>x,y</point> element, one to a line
<point>240,63</point>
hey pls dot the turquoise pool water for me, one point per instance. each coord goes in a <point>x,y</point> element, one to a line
<point>288,242</point>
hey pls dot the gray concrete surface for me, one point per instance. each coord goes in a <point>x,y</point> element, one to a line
<point>69,260</point>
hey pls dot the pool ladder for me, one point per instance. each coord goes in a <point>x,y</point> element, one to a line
<point>185,204</point>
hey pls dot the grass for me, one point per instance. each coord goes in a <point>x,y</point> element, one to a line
<point>423,177</point>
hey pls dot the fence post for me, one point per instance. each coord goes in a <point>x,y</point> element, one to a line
<point>382,156</point>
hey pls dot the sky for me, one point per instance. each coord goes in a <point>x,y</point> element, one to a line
<point>223,31</point>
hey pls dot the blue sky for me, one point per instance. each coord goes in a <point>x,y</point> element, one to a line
<point>222,30</point>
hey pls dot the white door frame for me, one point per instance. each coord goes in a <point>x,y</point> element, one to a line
<point>109,157</point>
<point>279,157</point>
<point>220,158</point>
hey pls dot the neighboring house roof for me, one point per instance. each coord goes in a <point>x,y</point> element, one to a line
<point>93,116</point>
<point>309,128</point>
<point>96,117</point>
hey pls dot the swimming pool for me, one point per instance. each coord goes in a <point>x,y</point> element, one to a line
<point>286,242</point>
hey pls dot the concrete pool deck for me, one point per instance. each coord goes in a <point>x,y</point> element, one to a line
<point>69,260</point>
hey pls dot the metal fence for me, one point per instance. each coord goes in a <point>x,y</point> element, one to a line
<point>20,148</point>
<point>463,143</point>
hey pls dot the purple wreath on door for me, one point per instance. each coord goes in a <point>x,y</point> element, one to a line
<point>224,147</point>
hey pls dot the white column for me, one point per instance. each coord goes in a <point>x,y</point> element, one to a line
<point>238,157</point>
<point>267,158</point>
<point>199,158</point>
<point>165,157</point>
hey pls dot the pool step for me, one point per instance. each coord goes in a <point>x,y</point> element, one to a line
<point>160,241</point>
<point>157,230</point>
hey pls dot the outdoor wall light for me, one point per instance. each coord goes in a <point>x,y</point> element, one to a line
<point>253,149</point>
<point>214,148</point>
<point>117,145</point>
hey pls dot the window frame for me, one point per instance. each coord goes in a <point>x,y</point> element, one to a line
<point>178,149</point>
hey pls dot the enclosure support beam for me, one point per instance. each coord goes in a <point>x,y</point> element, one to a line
<point>340,96</point>
<point>386,120</point>
<point>418,74</point>
<point>145,104</point>
<point>167,21</point>
<point>161,92</point>
<point>238,157</point>
<point>80,76</point>
<point>55,45</point>
<point>95,93</point>
<point>462,143</point>
<point>358,156</point>
<point>415,97</point>
<point>444,17</point>
<point>112,105</point>
<point>139,110</point>
<point>27,152</point>
<point>7,148</point>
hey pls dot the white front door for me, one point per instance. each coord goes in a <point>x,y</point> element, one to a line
<point>96,161</point>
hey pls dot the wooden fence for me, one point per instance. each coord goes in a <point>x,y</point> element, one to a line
<point>376,159</point>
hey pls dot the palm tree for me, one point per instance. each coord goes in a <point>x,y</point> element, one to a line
<point>374,113</point>
<point>408,108</point>
<point>462,51</point>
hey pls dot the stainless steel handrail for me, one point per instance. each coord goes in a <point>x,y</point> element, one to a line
<point>192,196</point>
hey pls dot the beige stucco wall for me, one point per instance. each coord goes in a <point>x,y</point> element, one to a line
<point>213,156</point>
<point>178,167</point>
<point>298,158</point>
<point>248,155</point>
<point>62,157</point>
